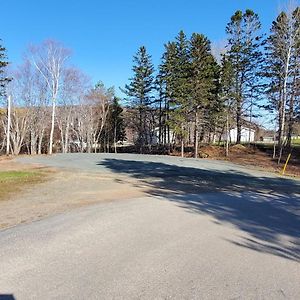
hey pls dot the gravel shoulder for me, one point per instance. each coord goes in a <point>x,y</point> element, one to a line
<point>61,190</point>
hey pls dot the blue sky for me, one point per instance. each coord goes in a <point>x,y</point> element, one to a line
<point>104,35</point>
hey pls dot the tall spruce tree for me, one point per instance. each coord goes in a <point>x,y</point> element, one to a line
<point>244,43</point>
<point>174,78</point>
<point>166,81</point>
<point>182,69</point>
<point>140,93</point>
<point>203,80</point>
<point>182,88</point>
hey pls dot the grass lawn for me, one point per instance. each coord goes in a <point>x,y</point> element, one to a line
<point>296,141</point>
<point>14,181</point>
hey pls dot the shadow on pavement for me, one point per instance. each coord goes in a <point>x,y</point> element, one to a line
<point>268,209</point>
<point>7,297</point>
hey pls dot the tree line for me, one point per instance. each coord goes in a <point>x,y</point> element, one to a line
<point>193,90</point>
<point>193,96</point>
<point>47,103</point>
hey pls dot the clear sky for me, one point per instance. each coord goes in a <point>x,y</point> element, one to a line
<point>104,35</point>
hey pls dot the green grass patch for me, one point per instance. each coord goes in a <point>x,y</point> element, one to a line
<point>16,175</point>
<point>296,141</point>
<point>14,181</point>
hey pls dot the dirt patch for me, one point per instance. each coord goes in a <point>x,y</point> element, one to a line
<point>64,191</point>
<point>241,149</point>
<point>8,164</point>
<point>211,152</point>
<point>256,158</point>
<point>249,156</point>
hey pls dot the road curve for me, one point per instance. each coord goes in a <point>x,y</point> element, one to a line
<point>204,230</point>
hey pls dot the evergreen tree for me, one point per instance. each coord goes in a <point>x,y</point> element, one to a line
<point>116,122</point>
<point>182,69</point>
<point>244,45</point>
<point>140,93</point>
<point>188,77</point>
<point>3,64</point>
<point>182,89</point>
<point>204,81</point>
<point>166,82</point>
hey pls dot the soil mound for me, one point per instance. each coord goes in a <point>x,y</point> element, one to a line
<point>241,149</point>
<point>211,151</point>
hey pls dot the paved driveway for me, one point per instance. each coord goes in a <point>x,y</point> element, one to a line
<point>203,230</point>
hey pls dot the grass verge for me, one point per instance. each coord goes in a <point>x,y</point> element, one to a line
<point>14,181</point>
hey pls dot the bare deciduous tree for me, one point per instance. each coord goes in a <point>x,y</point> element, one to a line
<point>50,60</point>
<point>99,100</point>
<point>283,66</point>
<point>74,84</point>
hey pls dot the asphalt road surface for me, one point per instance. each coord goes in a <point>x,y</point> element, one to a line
<point>203,230</point>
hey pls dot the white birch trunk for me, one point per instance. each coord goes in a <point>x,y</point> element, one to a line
<point>8,124</point>
<point>284,100</point>
<point>52,126</point>
<point>227,136</point>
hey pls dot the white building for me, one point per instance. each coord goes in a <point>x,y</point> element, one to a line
<point>155,138</point>
<point>247,135</point>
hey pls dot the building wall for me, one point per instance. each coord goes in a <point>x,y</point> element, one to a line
<point>247,135</point>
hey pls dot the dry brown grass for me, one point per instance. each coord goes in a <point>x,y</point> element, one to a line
<point>14,181</point>
<point>250,157</point>
<point>15,177</point>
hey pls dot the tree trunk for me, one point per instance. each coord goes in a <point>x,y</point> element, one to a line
<point>95,142</point>
<point>66,150</point>
<point>251,111</point>
<point>160,124</point>
<point>88,143</point>
<point>33,140</point>
<point>284,99</point>
<point>291,114</point>
<point>291,123</point>
<point>52,126</point>
<point>196,134</point>
<point>227,135</point>
<point>115,137</point>
<point>182,142</point>
<point>40,143</point>
<point>141,134</point>
<point>239,122</point>
<point>8,124</point>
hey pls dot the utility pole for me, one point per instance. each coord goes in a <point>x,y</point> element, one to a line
<point>8,124</point>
